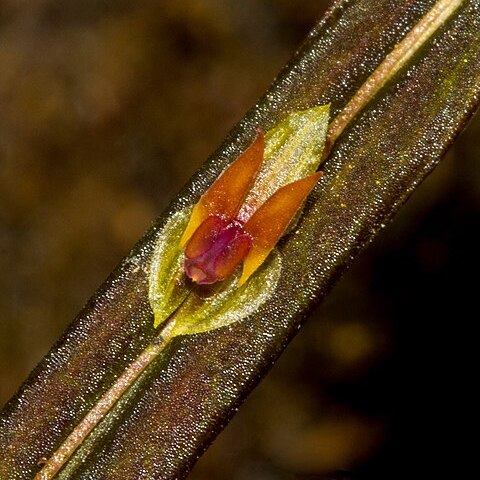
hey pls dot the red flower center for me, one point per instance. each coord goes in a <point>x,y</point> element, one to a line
<point>216,248</point>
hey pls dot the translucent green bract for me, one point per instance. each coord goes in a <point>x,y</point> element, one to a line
<point>167,282</point>
<point>293,150</point>
<point>228,303</point>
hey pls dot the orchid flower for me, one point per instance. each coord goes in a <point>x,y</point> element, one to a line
<point>227,229</point>
<point>235,224</point>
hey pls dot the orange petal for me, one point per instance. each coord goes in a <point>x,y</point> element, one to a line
<point>270,221</point>
<point>227,193</point>
<point>204,236</point>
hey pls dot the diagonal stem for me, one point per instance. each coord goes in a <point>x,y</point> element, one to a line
<point>106,402</point>
<point>393,62</point>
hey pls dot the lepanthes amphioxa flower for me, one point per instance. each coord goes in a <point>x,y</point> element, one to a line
<point>226,228</point>
<point>235,225</point>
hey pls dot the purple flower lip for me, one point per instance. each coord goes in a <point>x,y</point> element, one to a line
<point>220,251</point>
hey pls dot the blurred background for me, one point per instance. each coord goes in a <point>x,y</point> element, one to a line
<point>106,109</point>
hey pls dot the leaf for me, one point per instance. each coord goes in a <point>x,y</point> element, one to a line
<point>188,392</point>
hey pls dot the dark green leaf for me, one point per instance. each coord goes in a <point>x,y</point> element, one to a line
<point>182,400</point>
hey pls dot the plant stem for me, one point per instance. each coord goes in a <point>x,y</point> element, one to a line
<point>393,62</point>
<point>401,53</point>
<point>106,402</point>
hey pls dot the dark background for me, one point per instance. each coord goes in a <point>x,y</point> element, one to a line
<point>106,109</point>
